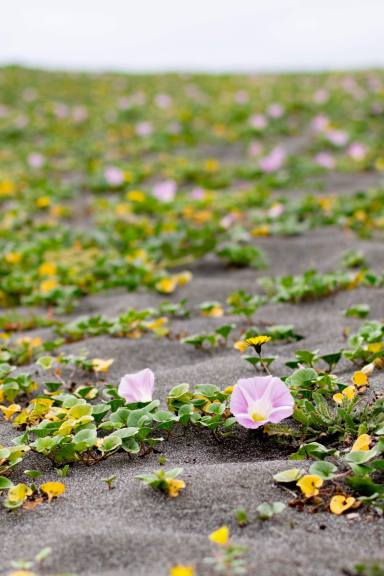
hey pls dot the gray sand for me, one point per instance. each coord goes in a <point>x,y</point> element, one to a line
<point>133,530</point>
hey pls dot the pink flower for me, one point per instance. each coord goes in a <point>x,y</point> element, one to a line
<point>174,127</point>
<point>273,161</point>
<point>256,401</point>
<point>79,113</point>
<point>163,101</point>
<point>144,129</point>
<point>258,121</point>
<point>337,137</point>
<point>197,193</point>
<point>165,191</point>
<point>325,160</point>
<point>60,110</point>
<point>255,149</point>
<point>36,160</point>
<point>320,123</point>
<point>357,151</point>
<point>114,176</point>
<point>321,96</point>
<point>137,387</point>
<point>241,97</point>
<point>275,110</point>
<point>276,210</point>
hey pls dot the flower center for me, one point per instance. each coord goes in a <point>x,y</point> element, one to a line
<point>260,410</point>
<point>257,416</point>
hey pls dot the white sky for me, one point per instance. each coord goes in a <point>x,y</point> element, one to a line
<point>192,34</point>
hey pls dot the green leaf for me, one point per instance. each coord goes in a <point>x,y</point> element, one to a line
<point>46,362</point>
<point>5,483</point>
<point>111,442</point>
<point>266,510</point>
<point>288,476</point>
<point>326,470</point>
<point>313,450</point>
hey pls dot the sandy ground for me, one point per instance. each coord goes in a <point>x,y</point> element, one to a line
<point>134,531</point>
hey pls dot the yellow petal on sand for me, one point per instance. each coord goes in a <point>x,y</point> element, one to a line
<point>340,504</point>
<point>309,484</point>
<point>241,346</point>
<point>100,365</point>
<point>174,486</point>
<point>53,489</point>
<point>220,536</point>
<point>360,378</point>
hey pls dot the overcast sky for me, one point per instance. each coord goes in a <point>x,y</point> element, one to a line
<point>193,34</point>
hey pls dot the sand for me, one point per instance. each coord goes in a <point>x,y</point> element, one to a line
<point>132,530</point>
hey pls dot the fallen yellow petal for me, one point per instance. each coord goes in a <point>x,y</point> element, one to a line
<point>309,484</point>
<point>360,378</point>
<point>340,504</point>
<point>241,345</point>
<point>174,486</point>
<point>53,489</point>
<point>100,365</point>
<point>220,536</point>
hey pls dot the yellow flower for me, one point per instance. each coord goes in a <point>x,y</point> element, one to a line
<point>166,285</point>
<point>361,443</point>
<point>122,209</point>
<point>340,504</point>
<point>43,202</point>
<point>211,165</point>
<point>13,257</point>
<point>7,188</point>
<point>379,164</point>
<point>180,570</point>
<point>10,410</point>
<point>47,269</point>
<point>256,341</point>
<point>309,484</point>
<point>228,390</point>
<point>53,489</point>
<point>241,345</point>
<point>260,231</point>
<point>215,311</point>
<point>136,196</point>
<point>48,285</point>
<point>360,378</point>
<point>220,536</point>
<point>326,203</point>
<point>100,365</point>
<point>174,486</point>
<point>347,394</point>
<point>184,278</point>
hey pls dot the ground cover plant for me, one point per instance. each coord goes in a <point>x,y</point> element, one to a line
<point>192,324</point>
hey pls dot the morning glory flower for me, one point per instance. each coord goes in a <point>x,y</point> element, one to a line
<point>256,401</point>
<point>165,191</point>
<point>114,176</point>
<point>137,387</point>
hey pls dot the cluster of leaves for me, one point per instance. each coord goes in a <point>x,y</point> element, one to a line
<point>341,480</point>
